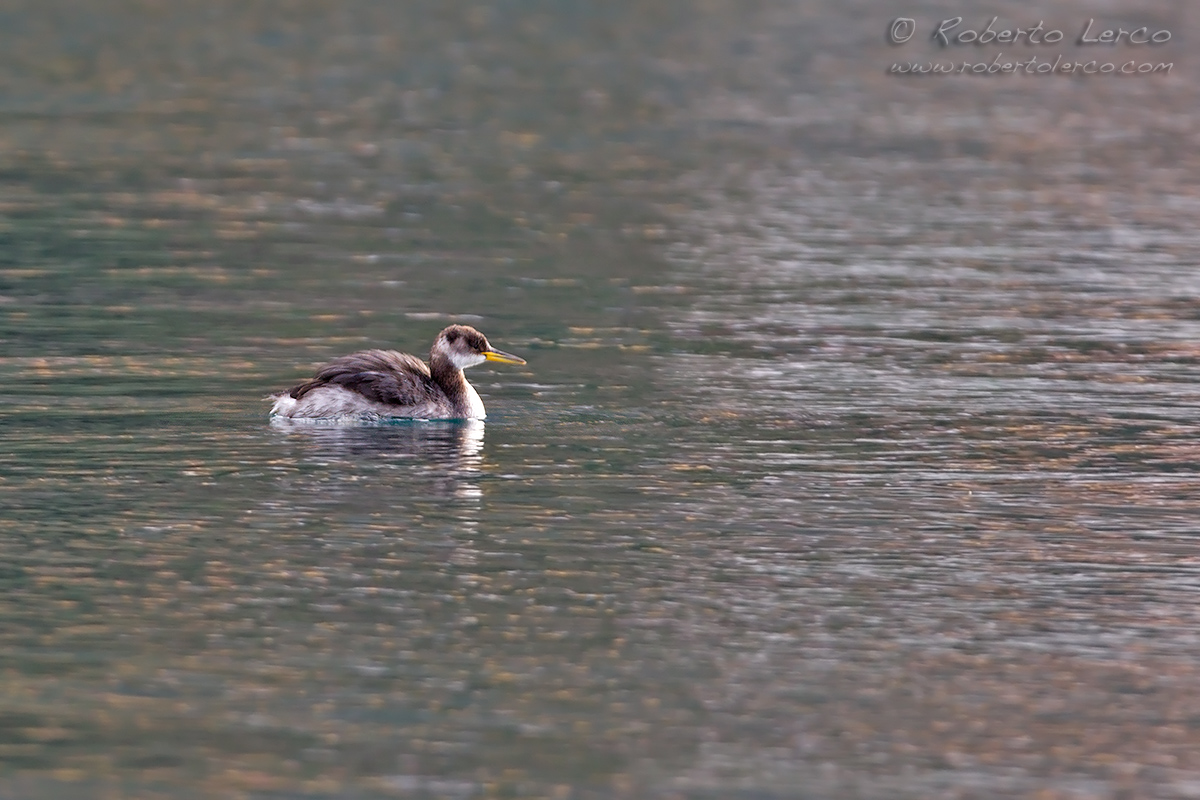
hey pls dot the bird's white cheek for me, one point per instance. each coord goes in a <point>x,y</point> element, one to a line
<point>464,360</point>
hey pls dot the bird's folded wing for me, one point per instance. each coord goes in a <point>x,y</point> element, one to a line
<point>384,376</point>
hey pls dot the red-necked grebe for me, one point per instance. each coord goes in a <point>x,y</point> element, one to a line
<point>385,384</point>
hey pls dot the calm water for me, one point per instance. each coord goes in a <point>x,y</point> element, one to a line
<point>856,454</point>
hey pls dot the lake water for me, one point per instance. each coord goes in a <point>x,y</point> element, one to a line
<point>856,453</point>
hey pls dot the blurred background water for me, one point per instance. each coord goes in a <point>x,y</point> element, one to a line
<point>855,456</point>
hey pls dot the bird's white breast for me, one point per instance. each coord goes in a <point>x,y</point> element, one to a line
<point>475,408</point>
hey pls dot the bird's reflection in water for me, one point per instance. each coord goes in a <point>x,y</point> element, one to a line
<point>350,498</point>
<point>437,460</point>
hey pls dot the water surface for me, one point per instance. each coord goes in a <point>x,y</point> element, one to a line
<point>855,455</point>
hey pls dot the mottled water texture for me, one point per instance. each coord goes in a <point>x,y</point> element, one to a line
<point>856,454</point>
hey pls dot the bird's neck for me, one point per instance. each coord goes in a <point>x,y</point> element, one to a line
<point>453,383</point>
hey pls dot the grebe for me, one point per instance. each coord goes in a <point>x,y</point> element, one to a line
<point>385,384</point>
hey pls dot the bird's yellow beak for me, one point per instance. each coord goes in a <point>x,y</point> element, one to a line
<point>502,358</point>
